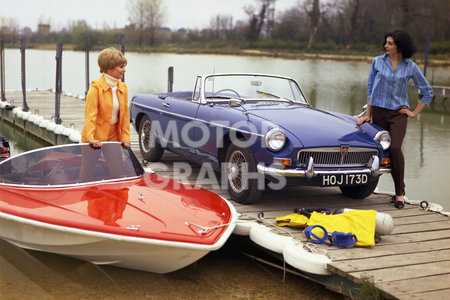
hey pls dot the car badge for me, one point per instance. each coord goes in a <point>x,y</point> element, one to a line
<point>344,150</point>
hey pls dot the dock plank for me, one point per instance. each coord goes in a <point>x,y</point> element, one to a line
<point>404,272</point>
<point>393,260</point>
<point>419,288</point>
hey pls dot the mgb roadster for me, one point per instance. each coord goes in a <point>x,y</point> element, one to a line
<point>260,132</point>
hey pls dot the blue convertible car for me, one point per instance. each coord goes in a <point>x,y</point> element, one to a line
<point>260,132</point>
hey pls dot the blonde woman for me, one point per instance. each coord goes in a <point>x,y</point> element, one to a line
<point>107,116</point>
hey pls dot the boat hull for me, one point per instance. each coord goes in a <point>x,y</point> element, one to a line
<point>144,254</point>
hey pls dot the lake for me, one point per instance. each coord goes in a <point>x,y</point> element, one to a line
<point>226,273</point>
<point>336,86</point>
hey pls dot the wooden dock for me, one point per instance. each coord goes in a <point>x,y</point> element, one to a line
<point>411,263</point>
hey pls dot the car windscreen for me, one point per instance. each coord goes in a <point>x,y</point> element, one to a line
<point>256,87</point>
<point>70,164</point>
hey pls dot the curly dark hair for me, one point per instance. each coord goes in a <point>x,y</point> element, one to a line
<point>403,40</point>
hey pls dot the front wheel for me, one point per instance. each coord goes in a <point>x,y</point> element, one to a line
<point>360,191</point>
<point>242,175</point>
<point>151,150</point>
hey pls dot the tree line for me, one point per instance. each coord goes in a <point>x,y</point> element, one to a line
<point>311,25</point>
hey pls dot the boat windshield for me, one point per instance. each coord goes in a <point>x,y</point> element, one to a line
<point>70,164</point>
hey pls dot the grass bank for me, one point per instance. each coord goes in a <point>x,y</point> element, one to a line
<point>344,55</point>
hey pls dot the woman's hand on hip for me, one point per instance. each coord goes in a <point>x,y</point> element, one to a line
<point>406,111</point>
<point>363,120</point>
<point>126,144</point>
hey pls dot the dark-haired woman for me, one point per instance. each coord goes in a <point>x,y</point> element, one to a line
<point>387,99</point>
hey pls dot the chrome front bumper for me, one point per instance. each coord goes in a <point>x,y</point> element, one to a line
<point>372,169</point>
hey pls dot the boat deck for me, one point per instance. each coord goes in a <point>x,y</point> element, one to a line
<point>411,263</point>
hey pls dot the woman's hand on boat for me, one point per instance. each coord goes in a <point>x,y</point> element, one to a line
<point>126,144</point>
<point>95,144</point>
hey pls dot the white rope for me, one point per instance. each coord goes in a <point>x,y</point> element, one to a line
<point>425,205</point>
<point>313,248</point>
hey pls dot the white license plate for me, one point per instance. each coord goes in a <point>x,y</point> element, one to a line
<point>347,179</point>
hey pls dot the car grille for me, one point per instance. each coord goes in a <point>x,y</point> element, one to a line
<point>335,156</point>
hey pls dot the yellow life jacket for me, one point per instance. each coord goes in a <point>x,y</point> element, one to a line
<point>359,222</point>
<point>292,220</point>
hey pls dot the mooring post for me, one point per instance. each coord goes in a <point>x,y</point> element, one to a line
<point>58,82</point>
<point>24,91</point>
<point>122,49</point>
<point>426,56</point>
<point>170,81</point>
<point>2,69</point>
<point>86,62</point>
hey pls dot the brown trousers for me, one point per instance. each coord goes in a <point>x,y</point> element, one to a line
<point>395,123</point>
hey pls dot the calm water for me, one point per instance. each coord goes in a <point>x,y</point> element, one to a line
<point>329,85</point>
<point>335,86</point>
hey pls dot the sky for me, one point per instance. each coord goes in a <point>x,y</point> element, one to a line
<point>193,14</point>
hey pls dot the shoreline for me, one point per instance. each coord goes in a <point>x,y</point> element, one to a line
<point>340,56</point>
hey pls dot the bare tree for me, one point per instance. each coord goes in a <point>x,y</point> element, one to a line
<point>147,15</point>
<point>314,17</point>
<point>257,20</point>
<point>222,27</point>
<point>353,23</point>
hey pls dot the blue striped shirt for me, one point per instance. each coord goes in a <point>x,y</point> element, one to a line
<point>387,87</point>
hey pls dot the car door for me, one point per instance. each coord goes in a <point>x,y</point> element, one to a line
<point>177,132</point>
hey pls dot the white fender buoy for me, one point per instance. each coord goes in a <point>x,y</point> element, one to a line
<point>31,117</point>
<point>25,115</point>
<point>16,110</point>
<point>43,123</point>
<point>51,126</point>
<point>3,104</point>
<point>75,136</point>
<point>59,129</point>
<point>66,131</point>
<point>264,237</point>
<point>19,113</point>
<point>242,227</point>
<point>295,255</point>
<point>384,224</point>
<point>38,119</point>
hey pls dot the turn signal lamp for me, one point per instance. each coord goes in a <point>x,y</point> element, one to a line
<point>385,161</point>
<point>282,161</point>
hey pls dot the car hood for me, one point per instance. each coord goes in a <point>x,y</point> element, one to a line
<point>313,127</point>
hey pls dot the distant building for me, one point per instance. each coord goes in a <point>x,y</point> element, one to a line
<point>43,29</point>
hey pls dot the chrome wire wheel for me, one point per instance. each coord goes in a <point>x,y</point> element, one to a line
<point>150,148</point>
<point>146,136</point>
<point>238,172</point>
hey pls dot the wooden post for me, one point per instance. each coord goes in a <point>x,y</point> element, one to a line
<point>2,69</point>
<point>122,49</point>
<point>24,91</point>
<point>170,81</point>
<point>426,56</point>
<point>86,62</point>
<point>58,82</point>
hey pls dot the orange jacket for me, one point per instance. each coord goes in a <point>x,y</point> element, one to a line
<point>98,111</point>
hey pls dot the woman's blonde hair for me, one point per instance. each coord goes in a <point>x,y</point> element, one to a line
<point>110,58</point>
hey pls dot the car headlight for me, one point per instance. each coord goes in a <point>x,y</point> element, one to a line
<point>275,139</point>
<point>384,138</point>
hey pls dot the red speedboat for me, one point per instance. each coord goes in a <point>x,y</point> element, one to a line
<point>99,205</point>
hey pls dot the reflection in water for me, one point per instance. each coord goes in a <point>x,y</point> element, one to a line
<point>223,274</point>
